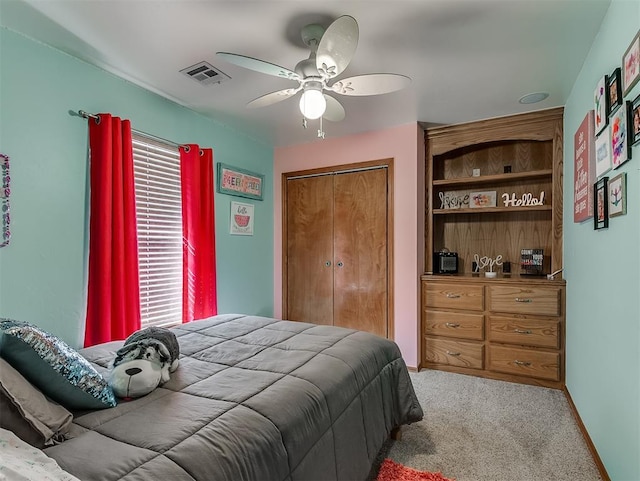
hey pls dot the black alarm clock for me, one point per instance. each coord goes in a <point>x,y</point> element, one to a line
<point>445,262</point>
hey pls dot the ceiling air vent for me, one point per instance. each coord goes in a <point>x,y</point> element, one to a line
<point>205,74</point>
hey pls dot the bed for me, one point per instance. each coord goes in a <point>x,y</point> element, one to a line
<point>254,398</point>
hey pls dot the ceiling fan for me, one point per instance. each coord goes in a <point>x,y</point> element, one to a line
<point>331,51</point>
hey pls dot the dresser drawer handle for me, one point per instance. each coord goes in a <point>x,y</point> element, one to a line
<point>523,299</point>
<point>449,353</point>
<point>522,331</point>
<point>522,363</point>
<point>452,324</point>
<point>453,296</point>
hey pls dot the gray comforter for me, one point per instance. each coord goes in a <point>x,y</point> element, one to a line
<point>254,398</point>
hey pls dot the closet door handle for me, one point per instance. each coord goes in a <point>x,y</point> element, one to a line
<point>327,264</point>
<point>339,264</point>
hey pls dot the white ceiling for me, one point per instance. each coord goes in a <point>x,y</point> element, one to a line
<point>468,59</point>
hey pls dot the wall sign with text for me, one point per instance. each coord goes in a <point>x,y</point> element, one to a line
<point>239,182</point>
<point>241,219</point>
<point>583,169</point>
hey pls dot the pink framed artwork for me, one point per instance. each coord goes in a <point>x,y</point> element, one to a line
<point>620,147</point>
<point>601,104</point>
<point>631,65</point>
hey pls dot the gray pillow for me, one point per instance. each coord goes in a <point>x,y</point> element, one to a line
<point>27,412</point>
<point>52,366</point>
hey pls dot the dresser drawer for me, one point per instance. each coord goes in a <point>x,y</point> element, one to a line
<point>454,324</point>
<point>529,332</point>
<point>542,301</point>
<point>454,353</point>
<point>452,296</point>
<point>525,362</point>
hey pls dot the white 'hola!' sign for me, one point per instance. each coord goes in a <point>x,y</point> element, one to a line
<point>526,200</point>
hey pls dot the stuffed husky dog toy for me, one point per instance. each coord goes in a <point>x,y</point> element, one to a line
<point>144,362</point>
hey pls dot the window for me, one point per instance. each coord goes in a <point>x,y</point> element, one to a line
<point>159,221</point>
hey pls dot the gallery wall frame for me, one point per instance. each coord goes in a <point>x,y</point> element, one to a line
<point>631,65</point>
<point>620,146</point>
<point>614,90</point>
<point>634,121</point>
<point>603,153</point>
<point>618,195</point>
<point>601,104</point>
<point>601,198</point>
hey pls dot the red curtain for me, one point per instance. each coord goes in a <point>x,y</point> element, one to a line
<point>199,298</point>
<point>113,300</point>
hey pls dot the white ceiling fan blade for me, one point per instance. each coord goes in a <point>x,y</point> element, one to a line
<point>334,111</point>
<point>337,46</point>
<point>370,84</point>
<point>272,98</point>
<point>258,65</point>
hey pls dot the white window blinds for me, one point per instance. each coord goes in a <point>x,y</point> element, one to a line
<point>159,222</point>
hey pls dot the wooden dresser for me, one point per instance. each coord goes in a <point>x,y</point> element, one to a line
<point>508,327</point>
<point>504,328</point>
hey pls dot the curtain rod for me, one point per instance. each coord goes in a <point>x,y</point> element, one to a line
<point>87,115</point>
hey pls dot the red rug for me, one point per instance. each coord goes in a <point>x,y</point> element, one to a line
<point>392,471</point>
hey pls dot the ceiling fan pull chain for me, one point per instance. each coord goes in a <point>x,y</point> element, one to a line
<point>304,122</point>
<point>320,130</point>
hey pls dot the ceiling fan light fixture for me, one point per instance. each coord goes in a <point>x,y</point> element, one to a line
<point>331,51</point>
<point>312,103</point>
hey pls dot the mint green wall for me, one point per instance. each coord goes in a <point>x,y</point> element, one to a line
<point>42,271</point>
<point>603,277</point>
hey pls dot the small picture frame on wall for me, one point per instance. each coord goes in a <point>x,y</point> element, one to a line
<point>634,121</point>
<point>620,147</point>
<point>600,102</point>
<point>631,65</point>
<point>601,198</point>
<point>603,153</point>
<point>614,90</point>
<point>618,195</point>
<point>241,221</point>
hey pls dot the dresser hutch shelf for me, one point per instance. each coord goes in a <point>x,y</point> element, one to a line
<point>510,327</point>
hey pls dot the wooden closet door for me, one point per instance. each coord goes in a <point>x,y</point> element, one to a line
<point>310,249</point>
<point>360,251</point>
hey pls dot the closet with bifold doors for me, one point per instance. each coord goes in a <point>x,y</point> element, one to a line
<point>336,246</point>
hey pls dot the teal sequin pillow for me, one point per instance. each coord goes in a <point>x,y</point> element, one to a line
<point>53,367</point>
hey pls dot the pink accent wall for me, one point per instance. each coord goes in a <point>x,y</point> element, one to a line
<point>404,144</point>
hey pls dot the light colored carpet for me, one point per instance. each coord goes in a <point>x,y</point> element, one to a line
<point>478,429</point>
